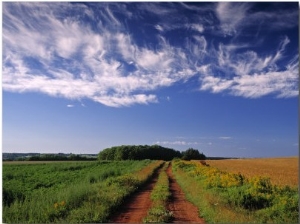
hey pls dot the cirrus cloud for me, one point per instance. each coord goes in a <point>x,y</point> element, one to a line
<point>182,143</point>
<point>76,51</point>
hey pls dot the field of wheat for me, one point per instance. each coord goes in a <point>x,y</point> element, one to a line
<point>281,171</point>
<point>231,197</point>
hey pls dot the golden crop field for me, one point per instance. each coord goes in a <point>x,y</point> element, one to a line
<point>282,171</point>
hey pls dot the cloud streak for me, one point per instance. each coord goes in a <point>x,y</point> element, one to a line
<point>179,143</point>
<point>231,15</point>
<point>225,137</point>
<point>87,54</point>
<point>89,68</point>
<point>254,76</point>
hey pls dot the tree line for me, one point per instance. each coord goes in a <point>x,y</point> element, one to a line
<point>153,152</point>
<point>55,157</point>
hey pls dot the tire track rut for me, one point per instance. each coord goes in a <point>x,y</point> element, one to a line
<point>135,208</point>
<point>183,210</point>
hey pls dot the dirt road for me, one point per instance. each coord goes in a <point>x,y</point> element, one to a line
<point>183,210</point>
<point>137,206</point>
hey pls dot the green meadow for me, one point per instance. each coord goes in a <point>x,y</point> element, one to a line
<point>70,192</point>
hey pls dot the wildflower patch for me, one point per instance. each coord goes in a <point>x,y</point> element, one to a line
<point>267,202</point>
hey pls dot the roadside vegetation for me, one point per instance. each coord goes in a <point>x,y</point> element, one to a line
<point>230,197</point>
<point>160,195</point>
<point>70,192</point>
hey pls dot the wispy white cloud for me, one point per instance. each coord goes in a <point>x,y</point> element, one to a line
<point>94,65</point>
<point>182,143</point>
<point>215,84</point>
<point>158,27</point>
<point>157,9</point>
<point>46,50</point>
<point>280,83</point>
<point>70,105</point>
<point>249,75</point>
<point>273,20</point>
<point>197,27</point>
<point>225,137</point>
<point>231,14</point>
<point>112,17</point>
<point>126,100</point>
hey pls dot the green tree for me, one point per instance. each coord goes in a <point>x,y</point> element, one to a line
<point>138,152</point>
<point>191,153</point>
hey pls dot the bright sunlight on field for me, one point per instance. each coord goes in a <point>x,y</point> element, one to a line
<point>282,171</point>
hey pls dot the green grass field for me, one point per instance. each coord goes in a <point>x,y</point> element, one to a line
<point>69,192</point>
<point>88,192</point>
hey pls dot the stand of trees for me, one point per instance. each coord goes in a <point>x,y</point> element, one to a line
<point>192,154</point>
<point>154,152</point>
<point>47,157</point>
<point>55,157</point>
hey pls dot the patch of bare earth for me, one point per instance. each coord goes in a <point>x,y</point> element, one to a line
<point>137,206</point>
<point>183,210</point>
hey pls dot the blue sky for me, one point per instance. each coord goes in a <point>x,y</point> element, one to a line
<point>218,77</point>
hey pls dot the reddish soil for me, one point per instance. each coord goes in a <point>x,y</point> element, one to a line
<point>137,206</point>
<point>183,210</point>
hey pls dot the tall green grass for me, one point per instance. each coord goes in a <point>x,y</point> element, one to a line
<point>69,192</point>
<point>160,195</point>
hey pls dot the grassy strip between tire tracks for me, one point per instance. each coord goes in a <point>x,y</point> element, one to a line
<point>160,195</point>
<point>231,198</point>
<point>84,201</point>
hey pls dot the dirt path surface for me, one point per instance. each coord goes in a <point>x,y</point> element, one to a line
<point>137,206</point>
<point>183,210</point>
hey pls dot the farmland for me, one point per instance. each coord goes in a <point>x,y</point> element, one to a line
<point>95,191</point>
<point>232,197</point>
<point>70,192</point>
<point>281,171</point>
